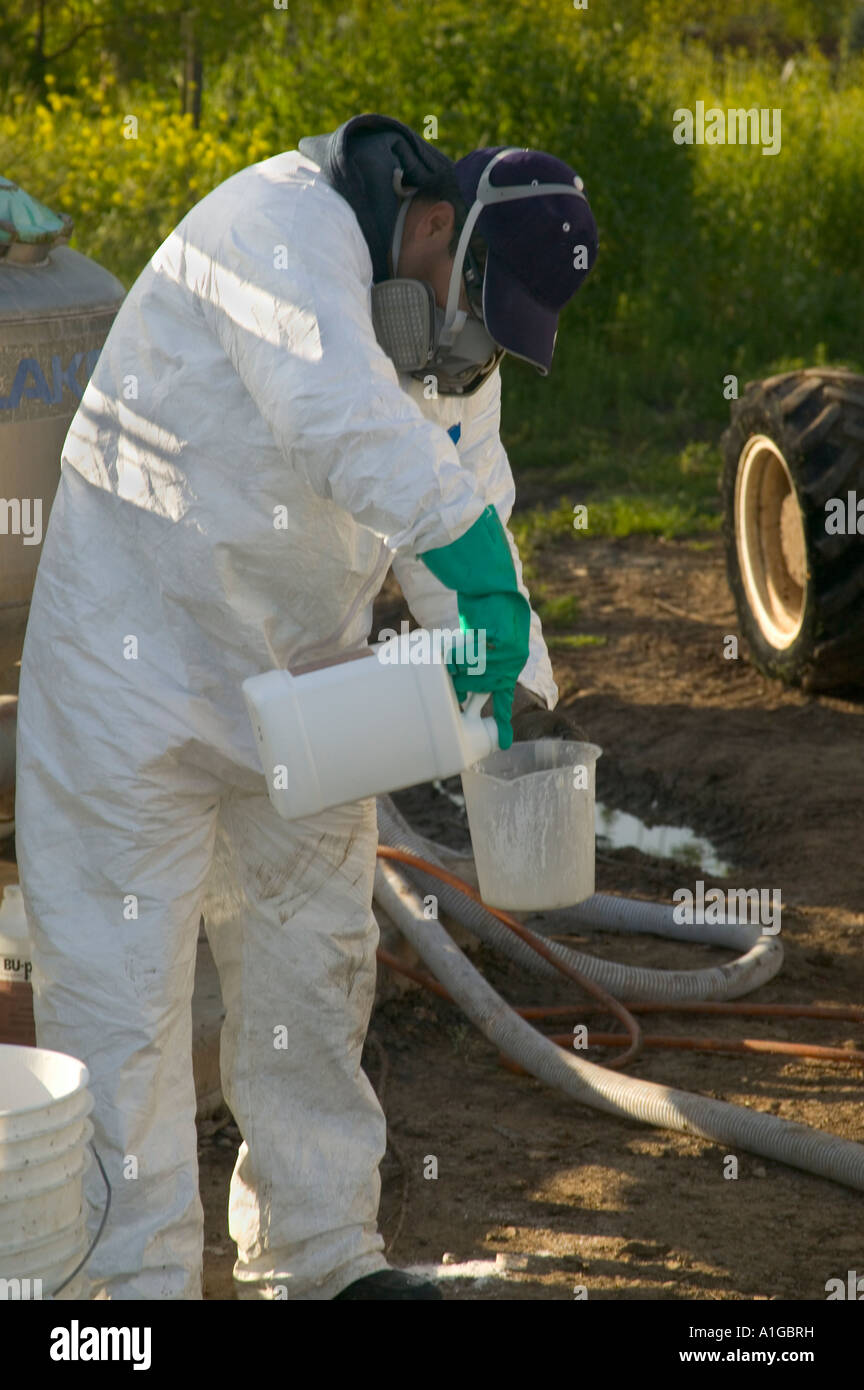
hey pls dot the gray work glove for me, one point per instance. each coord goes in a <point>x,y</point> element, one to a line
<point>531,719</point>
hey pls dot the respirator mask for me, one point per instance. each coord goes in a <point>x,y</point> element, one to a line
<point>452,345</point>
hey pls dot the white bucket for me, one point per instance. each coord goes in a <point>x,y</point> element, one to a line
<point>44,1131</point>
<point>40,1091</point>
<point>367,723</point>
<point>28,1179</point>
<point>42,1254</point>
<point>42,1286</point>
<point>40,1148</point>
<point>38,1213</point>
<point>37,1273</point>
<point>531,816</point>
<point>50,1262</point>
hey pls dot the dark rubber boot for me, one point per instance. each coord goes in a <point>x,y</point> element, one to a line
<point>391,1284</point>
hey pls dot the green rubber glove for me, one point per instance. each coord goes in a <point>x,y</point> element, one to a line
<point>479,566</point>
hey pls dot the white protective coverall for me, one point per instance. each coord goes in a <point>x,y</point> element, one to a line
<point>244,467</point>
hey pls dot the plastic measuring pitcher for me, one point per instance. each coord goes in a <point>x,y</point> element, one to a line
<point>531,816</point>
<point>362,724</point>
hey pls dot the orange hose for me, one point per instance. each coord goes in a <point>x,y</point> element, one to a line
<point>789,1049</point>
<point>419,976</point>
<point>852,1013</point>
<point>612,1005</point>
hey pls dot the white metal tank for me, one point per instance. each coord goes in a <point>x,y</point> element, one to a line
<point>56,307</point>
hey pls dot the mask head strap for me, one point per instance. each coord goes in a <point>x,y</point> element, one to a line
<point>488,194</point>
<point>406,194</point>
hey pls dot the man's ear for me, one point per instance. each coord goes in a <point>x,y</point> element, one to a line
<point>437,220</point>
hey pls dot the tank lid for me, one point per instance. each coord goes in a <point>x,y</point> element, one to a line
<point>28,229</point>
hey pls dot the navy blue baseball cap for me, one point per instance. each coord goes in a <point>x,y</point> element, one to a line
<point>540,247</point>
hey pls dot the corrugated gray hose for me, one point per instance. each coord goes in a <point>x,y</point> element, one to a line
<point>731,1125</point>
<point>760,963</point>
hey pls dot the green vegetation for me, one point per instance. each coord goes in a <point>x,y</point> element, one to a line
<point>715,260</point>
<point>557,612</point>
<point>578,639</point>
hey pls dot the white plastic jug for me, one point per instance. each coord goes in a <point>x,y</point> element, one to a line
<point>366,723</point>
<point>16,991</point>
<point>531,816</point>
<point>13,925</point>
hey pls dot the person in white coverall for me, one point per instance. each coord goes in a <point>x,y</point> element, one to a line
<point>243,380</point>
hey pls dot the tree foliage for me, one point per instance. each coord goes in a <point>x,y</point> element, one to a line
<point>713,259</point>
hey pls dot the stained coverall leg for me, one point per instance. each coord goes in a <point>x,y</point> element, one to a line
<point>288,912</point>
<point>114,965</point>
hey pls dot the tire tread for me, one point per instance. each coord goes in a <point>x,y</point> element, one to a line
<point>816,417</point>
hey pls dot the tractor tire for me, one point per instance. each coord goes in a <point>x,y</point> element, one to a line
<point>794,442</point>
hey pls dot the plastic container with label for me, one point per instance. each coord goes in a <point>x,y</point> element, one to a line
<point>366,723</point>
<point>16,992</point>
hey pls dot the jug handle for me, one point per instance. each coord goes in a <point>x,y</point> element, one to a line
<point>475,702</point>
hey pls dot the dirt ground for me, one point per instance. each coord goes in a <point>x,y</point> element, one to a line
<point>574,1197</point>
